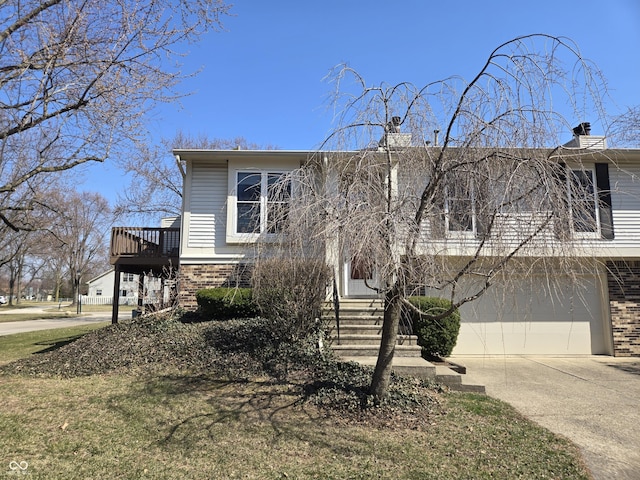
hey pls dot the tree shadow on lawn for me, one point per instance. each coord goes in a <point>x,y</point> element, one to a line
<point>215,403</point>
<point>243,407</point>
<point>56,344</point>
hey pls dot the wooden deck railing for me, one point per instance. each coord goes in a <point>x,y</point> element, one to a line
<point>144,242</point>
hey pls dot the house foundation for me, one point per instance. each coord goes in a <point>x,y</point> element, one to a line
<point>197,277</point>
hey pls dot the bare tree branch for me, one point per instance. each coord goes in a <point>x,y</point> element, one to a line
<point>452,217</point>
<point>77,78</point>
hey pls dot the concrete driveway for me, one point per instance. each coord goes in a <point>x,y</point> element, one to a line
<point>593,401</point>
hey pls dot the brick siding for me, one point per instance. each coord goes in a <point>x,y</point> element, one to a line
<point>624,304</point>
<point>197,277</point>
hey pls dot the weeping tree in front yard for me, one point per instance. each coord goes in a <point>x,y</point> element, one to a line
<point>449,188</point>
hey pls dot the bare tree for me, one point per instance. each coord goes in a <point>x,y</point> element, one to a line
<point>17,246</point>
<point>77,78</point>
<point>625,129</point>
<point>476,184</point>
<point>15,265</point>
<point>157,177</point>
<point>81,229</point>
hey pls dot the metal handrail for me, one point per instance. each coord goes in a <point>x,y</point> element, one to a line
<point>336,306</point>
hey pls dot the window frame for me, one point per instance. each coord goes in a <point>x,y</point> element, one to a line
<point>448,200</point>
<point>233,235</point>
<point>572,174</point>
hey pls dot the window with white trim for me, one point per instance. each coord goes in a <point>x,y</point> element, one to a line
<point>583,200</point>
<point>459,207</point>
<point>261,202</point>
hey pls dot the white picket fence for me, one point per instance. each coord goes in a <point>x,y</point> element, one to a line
<point>104,300</point>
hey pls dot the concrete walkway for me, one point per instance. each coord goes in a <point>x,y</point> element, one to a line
<point>593,401</point>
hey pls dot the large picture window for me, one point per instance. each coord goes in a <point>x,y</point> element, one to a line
<point>262,202</point>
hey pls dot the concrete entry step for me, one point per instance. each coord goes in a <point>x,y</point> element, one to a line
<point>414,366</point>
<point>456,381</point>
<point>351,350</point>
<point>349,338</point>
<point>358,329</point>
<point>356,320</point>
<point>421,368</point>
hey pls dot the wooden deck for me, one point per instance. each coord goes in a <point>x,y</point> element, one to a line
<point>136,249</point>
<point>143,251</point>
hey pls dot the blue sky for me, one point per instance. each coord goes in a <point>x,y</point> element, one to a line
<point>262,77</point>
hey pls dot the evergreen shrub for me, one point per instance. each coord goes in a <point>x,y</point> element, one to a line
<point>224,303</point>
<point>436,337</point>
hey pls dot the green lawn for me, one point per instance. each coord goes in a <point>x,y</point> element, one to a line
<point>181,425</point>
<point>13,347</point>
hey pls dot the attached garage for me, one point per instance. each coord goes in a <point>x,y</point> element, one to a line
<point>567,318</point>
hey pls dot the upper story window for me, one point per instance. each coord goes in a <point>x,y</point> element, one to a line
<point>459,205</point>
<point>583,201</point>
<point>589,201</point>
<point>474,204</point>
<point>261,202</point>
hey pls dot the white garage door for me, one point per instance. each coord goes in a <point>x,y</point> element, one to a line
<point>539,319</point>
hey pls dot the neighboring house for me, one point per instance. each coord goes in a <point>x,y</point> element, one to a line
<point>102,287</point>
<point>600,317</point>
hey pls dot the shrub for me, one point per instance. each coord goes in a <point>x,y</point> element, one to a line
<point>290,292</point>
<point>225,303</point>
<point>436,337</point>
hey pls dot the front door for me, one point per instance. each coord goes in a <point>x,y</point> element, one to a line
<point>359,277</point>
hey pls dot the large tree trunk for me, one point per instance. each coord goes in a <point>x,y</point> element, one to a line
<point>382,373</point>
<point>12,283</point>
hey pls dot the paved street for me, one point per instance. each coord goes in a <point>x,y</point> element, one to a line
<point>9,328</point>
<point>594,401</point>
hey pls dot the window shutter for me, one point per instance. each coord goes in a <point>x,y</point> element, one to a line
<point>604,200</point>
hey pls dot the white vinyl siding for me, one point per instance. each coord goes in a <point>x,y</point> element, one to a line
<point>625,199</point>
<point>207,224</point>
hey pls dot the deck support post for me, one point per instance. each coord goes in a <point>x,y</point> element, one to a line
<point>116,295</point>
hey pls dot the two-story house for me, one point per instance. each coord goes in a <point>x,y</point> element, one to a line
<point>227,206</point>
